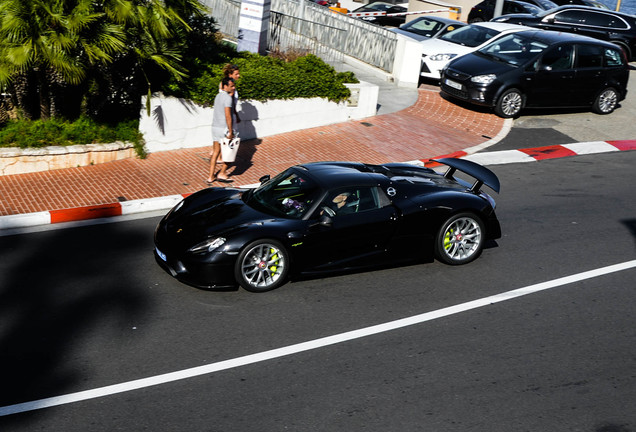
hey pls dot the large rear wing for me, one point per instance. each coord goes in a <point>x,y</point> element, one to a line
<point>481,174</point>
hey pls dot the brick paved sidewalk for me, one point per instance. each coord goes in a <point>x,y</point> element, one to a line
<point>431,127</point>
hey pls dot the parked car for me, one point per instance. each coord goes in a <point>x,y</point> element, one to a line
<point>382,20</point>
<point>436,53</point>
<point>323,217</point>
<point>592,3</point>
<point>536,68</point>
<point>485,11</point>
<point>616,27</point>
<point>428,27</point>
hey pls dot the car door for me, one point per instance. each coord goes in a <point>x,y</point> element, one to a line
<point>590,73</point>
<point>551,81</point>
<point>354,234</point>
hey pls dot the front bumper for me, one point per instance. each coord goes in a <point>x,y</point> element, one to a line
<point>468,92</point>
<point>212,271</point>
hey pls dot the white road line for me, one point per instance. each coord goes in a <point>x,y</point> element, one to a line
<point>309,345</point>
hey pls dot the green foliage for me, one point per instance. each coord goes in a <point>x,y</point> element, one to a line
<point>267,78</point>
<point>56,132</point>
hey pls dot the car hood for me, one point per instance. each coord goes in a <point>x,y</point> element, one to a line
<point>476,64</point>
<point>211,212</point>
<point>438,46</point>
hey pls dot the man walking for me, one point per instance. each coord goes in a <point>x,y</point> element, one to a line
<point>223,121</point>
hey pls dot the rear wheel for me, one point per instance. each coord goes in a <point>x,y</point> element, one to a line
<point>263,265</point>
<point>509,104</point>
<point>460,239</point>
<point>606,101</point>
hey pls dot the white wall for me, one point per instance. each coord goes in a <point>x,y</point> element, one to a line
<point>177,123</point>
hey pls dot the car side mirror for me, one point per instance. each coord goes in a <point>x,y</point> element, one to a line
<point>549,20</point>
<point>264,179</point>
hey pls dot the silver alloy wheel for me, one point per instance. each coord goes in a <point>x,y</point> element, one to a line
<point>462,239</point>
<point>263,265</point>
<point>511,103</point>
<point>607,101</point>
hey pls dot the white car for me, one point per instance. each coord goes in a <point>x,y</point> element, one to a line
<point>436,53</point>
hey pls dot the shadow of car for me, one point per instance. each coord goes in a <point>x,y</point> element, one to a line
<point>543,69</point>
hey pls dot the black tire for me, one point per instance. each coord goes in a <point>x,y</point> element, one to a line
<point>510,103</point>
<point>606,101</point>
<point>460,239</point>
<point>262,265</point>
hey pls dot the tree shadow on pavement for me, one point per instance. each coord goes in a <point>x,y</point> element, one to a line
<point>59,291</point>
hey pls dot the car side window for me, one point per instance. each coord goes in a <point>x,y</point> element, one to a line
<point>558,58</point>
<point>351,200</point>
<point>570,17</point>
<point>612,58</point>
<point>589,56</point>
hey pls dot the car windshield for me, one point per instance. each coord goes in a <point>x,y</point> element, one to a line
<point>289,194</point>
<point>382,7</point>
<point>423,26</point>
<point>513,49</point>
<point>471,35</point>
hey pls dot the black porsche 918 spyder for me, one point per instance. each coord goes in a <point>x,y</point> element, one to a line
<point>327,216</point>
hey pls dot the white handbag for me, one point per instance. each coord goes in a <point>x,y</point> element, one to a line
<point>229,148</point>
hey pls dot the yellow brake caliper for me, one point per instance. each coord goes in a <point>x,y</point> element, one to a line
<point>273,268</point>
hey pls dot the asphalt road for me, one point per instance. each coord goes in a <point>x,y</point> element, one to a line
<point>87,307</point>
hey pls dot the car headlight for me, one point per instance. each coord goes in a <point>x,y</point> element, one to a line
<point>484,79</point>
<point>207,246</point>
<point>443,57</point>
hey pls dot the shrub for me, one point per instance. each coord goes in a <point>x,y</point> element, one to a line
<point>56,132</point>
<point>269,77</point>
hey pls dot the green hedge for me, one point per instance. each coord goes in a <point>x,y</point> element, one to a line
<point>269,78</point>
<point>56,132</point>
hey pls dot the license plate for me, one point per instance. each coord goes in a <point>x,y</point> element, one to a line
<point>453,84</point>
<point>161,254</point>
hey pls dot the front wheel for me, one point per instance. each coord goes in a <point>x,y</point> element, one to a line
<point>460,239</point>
<point>509,104</point>
<point>263,265</point>
<point>606,101</point>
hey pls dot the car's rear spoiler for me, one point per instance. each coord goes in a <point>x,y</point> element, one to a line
<point>482,174</point>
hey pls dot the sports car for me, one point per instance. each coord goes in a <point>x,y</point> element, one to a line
<point>323,217</point>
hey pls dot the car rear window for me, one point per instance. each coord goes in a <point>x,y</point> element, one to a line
<point>612,58</point>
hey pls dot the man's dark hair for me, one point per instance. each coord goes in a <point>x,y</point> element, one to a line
<point>225,81</point>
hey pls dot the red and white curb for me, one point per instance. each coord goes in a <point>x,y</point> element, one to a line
<point>89,212</point>
<point>536,153</point>
<point>167,202</point>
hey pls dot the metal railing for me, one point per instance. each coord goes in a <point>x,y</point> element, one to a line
<point>302,25</point>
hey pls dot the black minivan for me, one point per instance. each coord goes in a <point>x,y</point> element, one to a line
<point>539,68</point>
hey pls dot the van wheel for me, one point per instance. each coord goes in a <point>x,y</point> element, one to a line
<point>509,104</point>
<point>606,101</point>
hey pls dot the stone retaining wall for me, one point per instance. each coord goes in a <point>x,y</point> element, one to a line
<point>15,160</point>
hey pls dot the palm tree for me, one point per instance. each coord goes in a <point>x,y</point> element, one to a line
<point>49,40</point>
<point>49,43</point>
